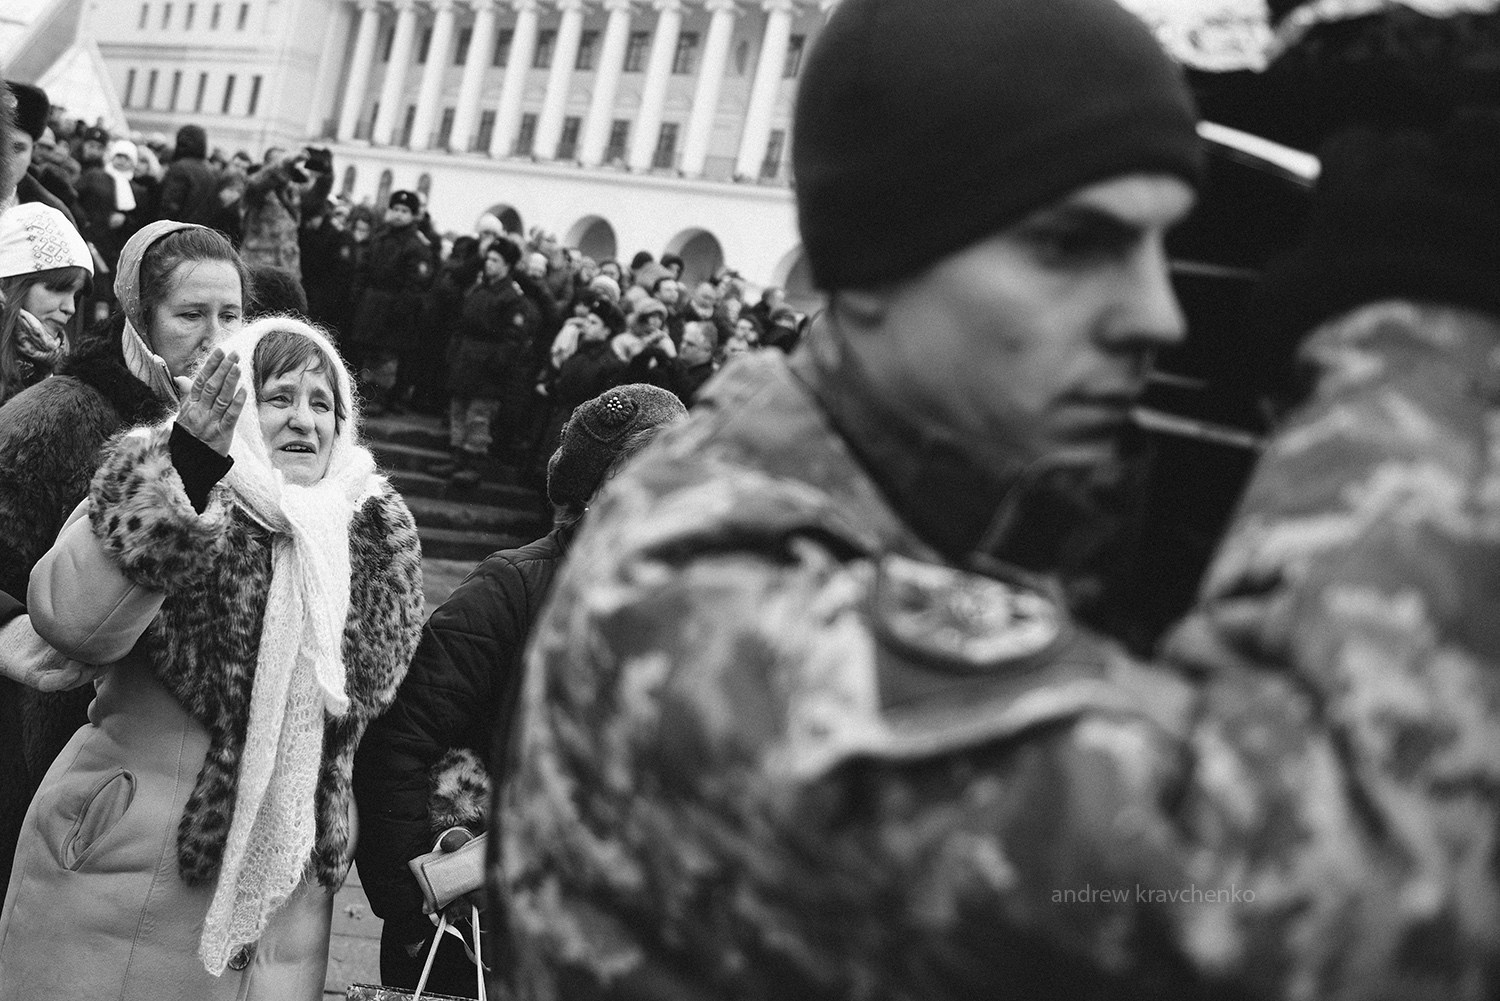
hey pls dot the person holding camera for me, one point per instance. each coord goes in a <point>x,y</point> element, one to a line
<point>272,206</point>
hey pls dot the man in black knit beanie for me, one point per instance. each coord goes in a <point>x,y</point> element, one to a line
<point>816,710</point>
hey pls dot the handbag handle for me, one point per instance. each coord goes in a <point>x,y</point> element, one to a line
<point>445,927</point>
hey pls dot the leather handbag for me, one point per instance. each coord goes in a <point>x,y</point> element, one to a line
<point>444,876</point>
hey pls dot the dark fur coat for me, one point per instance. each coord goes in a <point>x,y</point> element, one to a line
<point>216,570</point>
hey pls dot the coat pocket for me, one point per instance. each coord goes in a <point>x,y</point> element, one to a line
<point>102,809</point>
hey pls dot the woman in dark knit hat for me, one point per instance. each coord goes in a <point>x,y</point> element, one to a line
<point>457,703</point>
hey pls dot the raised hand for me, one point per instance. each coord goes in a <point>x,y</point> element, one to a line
<point>213,401</point>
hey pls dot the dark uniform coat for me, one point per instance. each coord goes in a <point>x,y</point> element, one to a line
<point>775,746</point>
<point>391,279</point>
<point>497,327</point>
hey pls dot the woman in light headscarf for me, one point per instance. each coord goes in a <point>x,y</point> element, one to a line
<point>257,586</point>
<point>44,267</point>
<point>181,289</point>
<point>113,200</point>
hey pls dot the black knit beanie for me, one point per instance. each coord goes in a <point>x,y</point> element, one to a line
<point>924,126</point>
<point>594,435</point>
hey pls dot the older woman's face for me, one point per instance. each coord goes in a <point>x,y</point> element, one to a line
<point>298,422</point>
<point>202,307</point>
<point>594,329</point>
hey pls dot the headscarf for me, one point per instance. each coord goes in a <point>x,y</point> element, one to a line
<point>124,196</point>
<point>299,669</point>
<point>143,363</point>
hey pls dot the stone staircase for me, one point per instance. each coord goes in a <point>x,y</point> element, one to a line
<point>455,524</point>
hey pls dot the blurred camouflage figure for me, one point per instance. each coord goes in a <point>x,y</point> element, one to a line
<point>813,713</point>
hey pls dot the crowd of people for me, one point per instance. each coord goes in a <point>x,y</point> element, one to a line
<point>422,315</point>
<point>814,689</point>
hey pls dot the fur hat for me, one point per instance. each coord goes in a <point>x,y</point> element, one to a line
<point>32,108</point>
<point>408,199</point>
<point>606,286</point>
<point>36,237</point>
<point>923,127</point>
<point>596,433</point>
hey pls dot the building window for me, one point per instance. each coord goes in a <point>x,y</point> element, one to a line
<point>666,147</point>
<point>228,95</point>
<point>364,131</point>
<point>526,138</point>
<point>202,89</point>
<point>166,15</point>
<point>192,9</point>
<point>793,64</point>
<point>150,90</point>
<point>385,46</point>
<point>546,41</point>
<point>461,51</point>
<point>176,89</point>
<point>424,187</point>
<point>567,144</point>
<point>411,117</point>
<point>129,87</point>
<point>239,24</point>
<point>635,51</point>
<point>254,95</point>
<point>502,47</point>
<point>770,167</point>
<point>383,192</point>
<point>347,188</point>
<point>587,43</point>
<point>213,16</point>
<point>685,59</point>
<point>486,131</point>
<point>423,44</point>
<point>145,13</point>
<point>741,58</point>
<point>619,135</point>
<point>445,129</point>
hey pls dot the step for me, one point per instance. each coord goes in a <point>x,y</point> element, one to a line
<point>453,544</point>
<point>469,516</point>
<point>411,483</point>
<point>420,431</point>
<point>416,459</point>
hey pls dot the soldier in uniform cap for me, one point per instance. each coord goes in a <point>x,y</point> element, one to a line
<point>812,712</point>
<point>390,280</point>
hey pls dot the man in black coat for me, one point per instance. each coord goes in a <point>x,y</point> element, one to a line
<point>390,283</point>
<point>190,189</point>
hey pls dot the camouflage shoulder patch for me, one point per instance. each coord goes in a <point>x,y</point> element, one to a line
<point>959,620</point>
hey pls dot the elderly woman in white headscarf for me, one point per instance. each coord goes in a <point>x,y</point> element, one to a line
<point>257,586</point>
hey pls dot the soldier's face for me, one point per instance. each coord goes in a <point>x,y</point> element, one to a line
<point>399,216</point>
<point>1035,343</point>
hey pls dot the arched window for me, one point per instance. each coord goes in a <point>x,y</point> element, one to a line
<point>383,193</point>
<point>424,187</point>
<point>347,188</point>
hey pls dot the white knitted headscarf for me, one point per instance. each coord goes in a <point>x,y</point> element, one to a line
<point>299,669</point>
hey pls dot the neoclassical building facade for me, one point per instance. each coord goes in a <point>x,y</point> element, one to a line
<point>619,125</point>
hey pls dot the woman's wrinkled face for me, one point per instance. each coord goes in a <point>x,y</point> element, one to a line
<point>298,422</point>
<point>202,307</point>
<point>54,307</point>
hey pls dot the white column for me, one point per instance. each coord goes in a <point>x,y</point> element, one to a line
<point>359,69</point>
<point>476,61</point>
<point>710,80</point>
<point>767,83</point>
<point>513,86</point>
<point>564,55</point>
<point>430,94</point>
<point>654,93</point>
<point>390,112</point>
<point>606,83</point>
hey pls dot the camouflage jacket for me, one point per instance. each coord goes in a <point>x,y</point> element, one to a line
<point>773,747</point>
